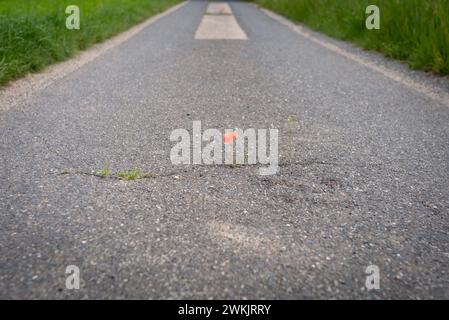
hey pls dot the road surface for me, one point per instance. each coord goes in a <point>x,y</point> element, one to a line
<point>363,179</point>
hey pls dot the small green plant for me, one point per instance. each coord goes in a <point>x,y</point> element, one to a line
<point>64,172</point>
<point>148,175</point>
<point>245,160</point>
<point>129,175</point>
<point>290,121</point>
<point>104,173</point>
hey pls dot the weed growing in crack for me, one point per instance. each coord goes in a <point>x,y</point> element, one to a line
<point>245,160</point>
<point>134,175</point>
<point>64,172</point>
<point>147,175</point>
<point>129,175</point>
<point>104,173</point>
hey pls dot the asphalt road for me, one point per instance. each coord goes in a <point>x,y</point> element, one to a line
<point>364,173</point>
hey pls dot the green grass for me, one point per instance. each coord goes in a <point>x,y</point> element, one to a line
<point>33,33</point>
<point>134,175</point>
<point>129,175</point>
<point>416,31</point>
<point>104,172</point>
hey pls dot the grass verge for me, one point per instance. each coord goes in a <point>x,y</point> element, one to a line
<point>33,33</point>
<point>416,31</point>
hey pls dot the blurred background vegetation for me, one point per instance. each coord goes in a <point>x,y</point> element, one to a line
<point>33,33</point>
<point>416,31</point>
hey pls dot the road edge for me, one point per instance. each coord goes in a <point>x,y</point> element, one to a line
<point>20,90</point>
<point>439,96</point>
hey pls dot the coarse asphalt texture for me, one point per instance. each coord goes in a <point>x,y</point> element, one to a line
<point>364,174</point>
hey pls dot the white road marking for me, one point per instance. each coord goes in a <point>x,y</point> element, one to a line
<point>219,24</point>
<point>21,90</point>
<point>439,96</point>
<point>219,27</point>
<point>218,8</point>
